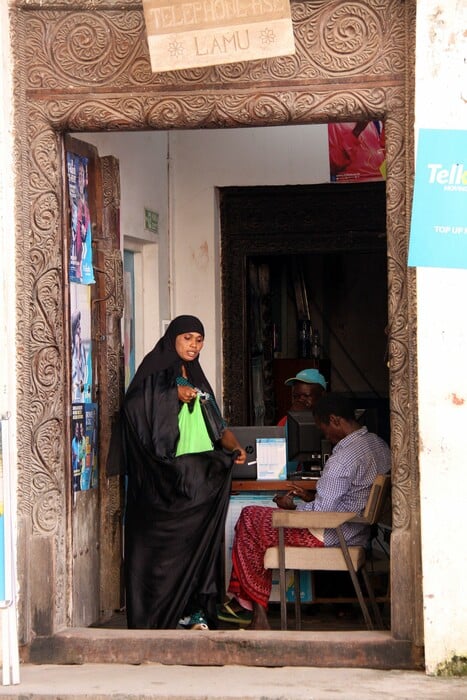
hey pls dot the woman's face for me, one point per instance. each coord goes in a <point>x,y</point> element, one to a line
<point>189,345</point>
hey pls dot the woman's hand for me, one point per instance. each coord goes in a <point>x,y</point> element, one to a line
<point>241,455</point>
<point>186,393</point>
<point>229,442</point>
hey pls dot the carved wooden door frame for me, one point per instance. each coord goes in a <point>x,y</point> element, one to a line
<point>82,65</point>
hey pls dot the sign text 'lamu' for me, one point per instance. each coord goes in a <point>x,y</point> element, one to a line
<point>190,34</point>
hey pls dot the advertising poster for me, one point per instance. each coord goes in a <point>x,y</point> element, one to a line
<point>78,444</point>
<point>81,270</point>
<point>438,231</point>
<point>84,447</point>
<point>81,356</point>
<point>357,151</point>
<point>271,457</point>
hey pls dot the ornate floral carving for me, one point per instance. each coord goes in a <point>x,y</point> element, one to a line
<point>348,37</point>
<point>109,48</point>
<point>84,48</point>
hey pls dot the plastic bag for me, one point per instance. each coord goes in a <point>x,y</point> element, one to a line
<point>194,436</point>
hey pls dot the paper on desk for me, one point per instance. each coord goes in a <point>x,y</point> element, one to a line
<point>271,458</point>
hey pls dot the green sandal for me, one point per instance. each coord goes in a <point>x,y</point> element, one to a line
<point>227,614</point>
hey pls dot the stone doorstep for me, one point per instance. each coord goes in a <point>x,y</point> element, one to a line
<point>347,649</point>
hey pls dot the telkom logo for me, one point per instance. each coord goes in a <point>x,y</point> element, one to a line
<point>456,174</point>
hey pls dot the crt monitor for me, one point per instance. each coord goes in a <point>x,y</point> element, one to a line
<point>303,438</point>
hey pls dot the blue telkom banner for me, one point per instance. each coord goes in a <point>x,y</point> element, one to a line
<point>438,232</point>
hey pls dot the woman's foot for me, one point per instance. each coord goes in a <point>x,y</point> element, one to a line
<point>195,621</point>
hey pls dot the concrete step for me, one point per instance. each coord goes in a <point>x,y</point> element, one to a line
<point>362,648</point>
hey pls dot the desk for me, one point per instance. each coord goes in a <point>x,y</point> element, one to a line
<point>276,485</point>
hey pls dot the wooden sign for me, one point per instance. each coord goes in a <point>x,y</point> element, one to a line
<point>194,33</point>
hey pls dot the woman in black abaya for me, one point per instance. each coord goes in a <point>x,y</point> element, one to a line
<point>176,505</point>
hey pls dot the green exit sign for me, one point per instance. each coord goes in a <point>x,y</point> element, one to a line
<point>151,220</point>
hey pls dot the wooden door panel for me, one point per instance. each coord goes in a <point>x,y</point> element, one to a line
<point>96,514</point>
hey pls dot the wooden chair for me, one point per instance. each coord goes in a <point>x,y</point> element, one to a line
<point>341,558</point>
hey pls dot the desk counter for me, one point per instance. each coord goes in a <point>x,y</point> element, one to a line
<point>276,485</point>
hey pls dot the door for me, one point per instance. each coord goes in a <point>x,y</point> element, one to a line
<point>95,302</point>
<point>270,230</point>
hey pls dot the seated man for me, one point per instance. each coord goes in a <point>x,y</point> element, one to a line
<point>357,457</point>
<point>307,387</point>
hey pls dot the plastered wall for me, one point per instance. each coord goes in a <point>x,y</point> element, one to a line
<point>184,170</point>
<point>441,103</point>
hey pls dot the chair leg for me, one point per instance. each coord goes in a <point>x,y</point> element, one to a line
<point>371,594</point>
<point>298,603</point>
<point>354,577</point>
<point>282,587</point>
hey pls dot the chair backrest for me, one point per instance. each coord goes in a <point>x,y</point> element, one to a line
<point>376,500</point>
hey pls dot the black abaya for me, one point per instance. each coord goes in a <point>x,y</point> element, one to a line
<point>176,506</point>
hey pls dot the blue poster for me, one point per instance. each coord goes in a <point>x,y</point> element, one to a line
<point>438,232</point>
<point>81,269</point>
<point>84,446</point>
<point>81,346</point>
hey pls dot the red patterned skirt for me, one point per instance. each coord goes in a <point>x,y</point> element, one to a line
<point>254,533</point>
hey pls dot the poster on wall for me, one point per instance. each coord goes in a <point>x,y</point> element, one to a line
<point>81,269</point>
<point>438,230</point>
<point>357,151</point>
<point>81,357</point>
<point>84,447</point>
<point>78,444</point>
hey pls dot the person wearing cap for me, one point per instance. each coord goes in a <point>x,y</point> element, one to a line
<point>307,387</point>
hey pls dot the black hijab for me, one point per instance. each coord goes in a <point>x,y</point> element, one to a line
<point>163,363</point>
<point>164,354</point>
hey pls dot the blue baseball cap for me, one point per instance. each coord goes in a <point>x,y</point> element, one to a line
<point>309,376</point>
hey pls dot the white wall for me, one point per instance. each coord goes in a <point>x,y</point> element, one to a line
<point>177,174</point>
<point>143,184</point>
<point>441,103</point>
<point>201,161</point>
<point>8,346</point>
<point>7,225</point>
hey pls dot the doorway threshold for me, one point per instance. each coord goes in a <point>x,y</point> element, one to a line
<point>347,649</point>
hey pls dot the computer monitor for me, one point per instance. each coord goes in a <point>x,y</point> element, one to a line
<point>303,440</point>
